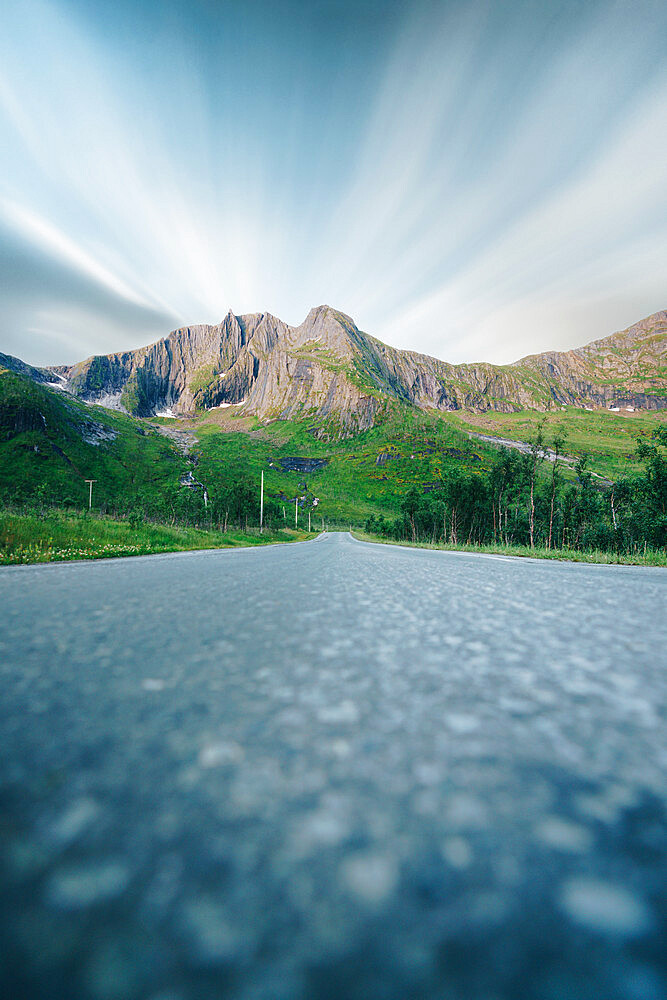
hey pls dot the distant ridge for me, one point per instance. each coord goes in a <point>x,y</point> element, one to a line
<point>326,369</point>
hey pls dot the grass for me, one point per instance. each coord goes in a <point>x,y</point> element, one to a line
<point>652,557</point>
<point>314,351</point>
<point>422,446</point>
<point>56,536</point>
<point>414,448</point>
<point>608,439</point>
<point>54,441</point>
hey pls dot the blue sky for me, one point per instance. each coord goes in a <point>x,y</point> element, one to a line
<point>475,180</point>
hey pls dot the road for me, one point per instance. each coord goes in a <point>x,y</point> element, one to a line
<point>333,771</point>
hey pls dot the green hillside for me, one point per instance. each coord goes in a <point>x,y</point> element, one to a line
<point>51,443</point>
<point>608,439</point>
<point>369,474</point>
<point>357,477</point>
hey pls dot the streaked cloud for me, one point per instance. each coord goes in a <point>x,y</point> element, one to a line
<point>476,180</point>
<point>49,239</point>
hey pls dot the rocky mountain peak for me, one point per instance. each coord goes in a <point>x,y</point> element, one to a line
<point>648,335</point>
<point>334,330</point>
<point>341,380</point>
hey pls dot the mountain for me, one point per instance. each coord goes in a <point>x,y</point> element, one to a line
<point>43,375</point>
<point>331,373</point>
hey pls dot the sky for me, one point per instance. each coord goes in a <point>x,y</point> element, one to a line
<point>476,180</point>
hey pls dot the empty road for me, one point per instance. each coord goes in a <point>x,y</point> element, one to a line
<point>333,771</point>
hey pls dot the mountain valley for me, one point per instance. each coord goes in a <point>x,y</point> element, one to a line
<point>341,423</point>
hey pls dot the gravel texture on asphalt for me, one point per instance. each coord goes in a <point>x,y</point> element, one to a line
<point>333,771</point>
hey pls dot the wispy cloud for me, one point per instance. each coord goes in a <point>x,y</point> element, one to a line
<point>475,181</point>
<point>49,239</point>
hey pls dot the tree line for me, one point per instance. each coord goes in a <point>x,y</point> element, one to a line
<point>233,504</point>
<point>525,499</point>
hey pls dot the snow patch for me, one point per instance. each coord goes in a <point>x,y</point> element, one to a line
<point>223,406</point>
<point>110,400</point>
<point>168,412</point>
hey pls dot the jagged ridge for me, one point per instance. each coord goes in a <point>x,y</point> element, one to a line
<point>327,369</point>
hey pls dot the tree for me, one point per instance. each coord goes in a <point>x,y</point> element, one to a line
<point>582,503</point>
<point>652,488</point>
<point>504,479</point>
<point>537,455</point>
<point>557,446</point>
<point>409,508</point>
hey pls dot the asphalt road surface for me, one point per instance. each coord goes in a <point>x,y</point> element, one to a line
<point>333,771</point>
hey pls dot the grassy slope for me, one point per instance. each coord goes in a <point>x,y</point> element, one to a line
<point>352,485</point>
<point>609,439</point>
<point>54,452</point>
<point>55,536</point>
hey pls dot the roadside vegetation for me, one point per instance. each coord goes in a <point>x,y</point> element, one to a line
<point>523,505</point>
<point>50,535</point>
<point>650,557</point>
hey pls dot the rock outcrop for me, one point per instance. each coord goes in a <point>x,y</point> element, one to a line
<point>42,375</point>
<point>341,380</point>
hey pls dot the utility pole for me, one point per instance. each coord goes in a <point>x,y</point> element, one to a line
<point>308,522</point>
<point>261,505</point>
<point>296,512</point>
<point>90,494</point>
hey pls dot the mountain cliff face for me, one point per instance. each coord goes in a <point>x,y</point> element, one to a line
<point>626,369</point>
<point>327,370</point>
